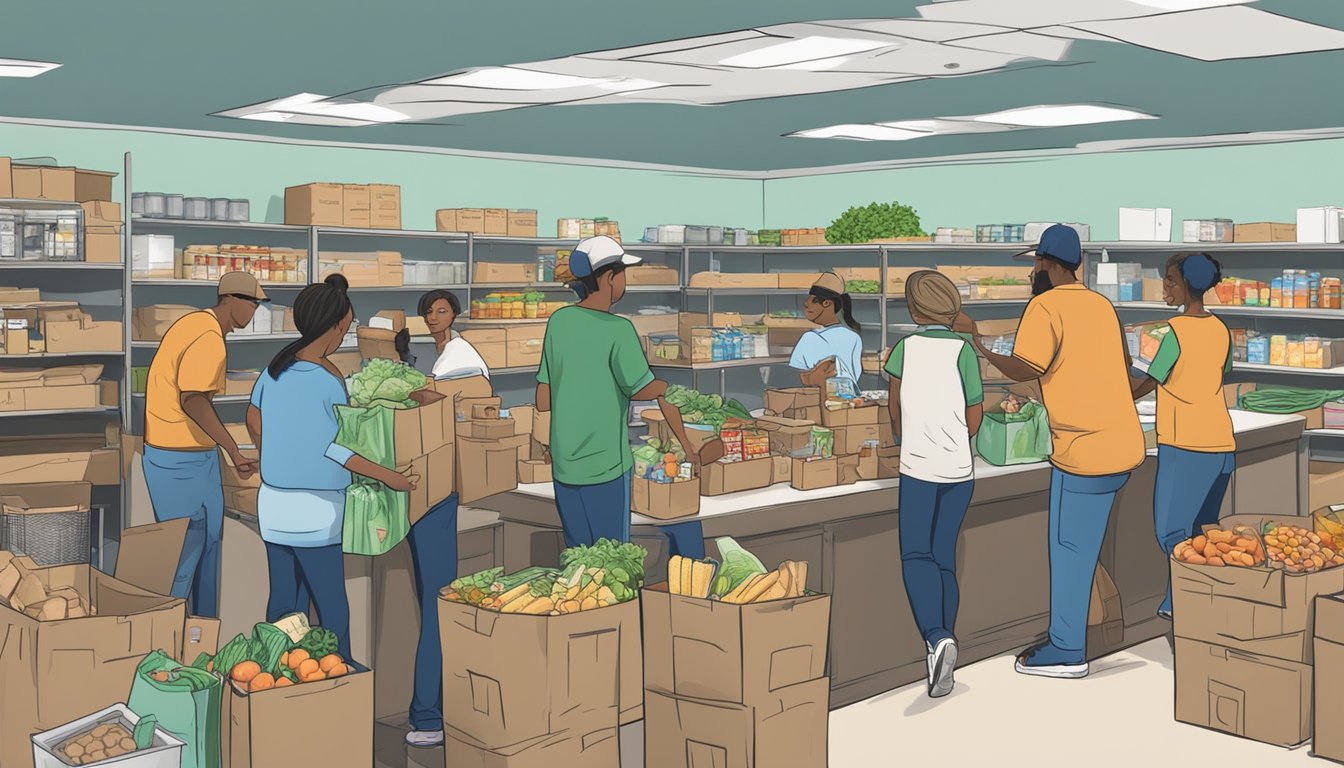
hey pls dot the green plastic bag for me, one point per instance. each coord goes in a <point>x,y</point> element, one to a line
<point>368,432</point>
<point>1005,439</point>
<point>186,706</point>
<point>377,518</point>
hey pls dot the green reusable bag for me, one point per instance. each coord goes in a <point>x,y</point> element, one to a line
<point>1005,439</point>
<point>377,518</point>
<point>186,706</point>
<point>368,432</point>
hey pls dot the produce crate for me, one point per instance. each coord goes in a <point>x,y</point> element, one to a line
<point>49,535</point>
<point>165,752</point>
<point>257,729</point>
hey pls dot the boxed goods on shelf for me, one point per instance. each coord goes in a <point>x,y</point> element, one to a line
<point>152,256</point>
<point>523,345</point>
<point>1320,225</point>
<point>45,389</point>
<point>652,274</point>
<point>53,233</point>
<point>522,223</point>
<point>800,403</point>
<point>490,272</point>
<point>78,742</point>
<point>582,229</point>
<point>954,235</point>
<point>1207,231</point>
<point>364,270</point>
<point>49,524</point>
<point>315,204</point>
<point>1329,655</point>
<point>496,222</point>
<point>64,184</point>
<point>6,178</point>
<point>152,322</point>
<point>356,206</point>
<point>1034,230</point>
<point>803,237</point>
<point>734,280</point>
<point>375,206</point>
<point>86,335</point>
<point>1000,233</point>
<point>102,232</point>
<point>491,344</point>
<point>1265,232</point>
<point>810,474</point>
<point>798,280</point>
<point>269,265</point>
<point>465,220</point>
<point>1145,224</point>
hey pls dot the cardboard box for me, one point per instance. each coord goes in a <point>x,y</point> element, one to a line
<point>487,467</point>
<point>798,280</point>
<point>151,323</point>
<point>788,437</point>
<point>496,222</point>
<point>522,223</point>
<point>1325,484</point>
<point>734,280</point>
<point>532,471</point>
<point>812,474</point>
<point>57,671</point>
<point>652,274</point>
<point>320,205</point>
<point>1262,611</point>
<point>6,178</point>
<point>665,501</point>
<point>1314,225</point>
<point>1265,232</point>
<point>789,728</point>
<point>355,202</point>
<point>1329,655</point>
<point>437,471</point>
<point>1245,694</point>
<point>11,296</point>
<point>798,403</point>
<point>490,429</point>
<point>847,469</point>
<point>491,344</point>
<point>70,185</point>
<point>523,345</point>
<point>72,396</point>
<point>850,417</point>
<point>721,477</point>
<point>257,729</point>
<point>510,678</point>
<point>599,749</point>
<point>16,341</point>
<point>462,220</point>
<point>741,654</point>
<point>489,272</point>
<point>84,336</point>
<point>384,206</point>
<point>1145,224</point>
<point>863,465</point>
<point>851,440</point>
<point>199,635</point>
<point>888,462</point>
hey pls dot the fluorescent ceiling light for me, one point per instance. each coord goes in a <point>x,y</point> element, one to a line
<point>22,68</point>
<point>1060,115</point>
<point>626,85</point>
<point>515,79</point>
<point>1188,5</point>
<point>1221,34</point>
<point>819,65</point>
<point>269,117</point>
<point>862,132</point>
<point>803,49</point>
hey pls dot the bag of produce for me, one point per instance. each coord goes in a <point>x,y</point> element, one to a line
<point>367,432</point>
<point>1020,436</point>
<point>738,566</point>
<point>377,518</point>
<point>186,703</point>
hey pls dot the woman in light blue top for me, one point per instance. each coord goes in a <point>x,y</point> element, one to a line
<point>304,473</point>
<point>835,349</point>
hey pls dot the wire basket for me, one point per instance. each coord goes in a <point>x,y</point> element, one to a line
<point>49,538</point>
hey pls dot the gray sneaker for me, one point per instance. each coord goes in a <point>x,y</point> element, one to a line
<point>942,664</point>
<point>424,739</point>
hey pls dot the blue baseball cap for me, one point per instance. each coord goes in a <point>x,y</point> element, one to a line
<point>1059,242</point>
<point>597,252</point>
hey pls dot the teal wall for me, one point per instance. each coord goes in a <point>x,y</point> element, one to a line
<point>259,172</point>
<point>1249,183</point>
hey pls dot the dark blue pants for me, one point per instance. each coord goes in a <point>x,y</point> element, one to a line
<point>1080,508</point>
<point>592,512</point>
<point>297,572</point>
<point>930,516</point>
<point>433,542</point>
<point>1187,496</point>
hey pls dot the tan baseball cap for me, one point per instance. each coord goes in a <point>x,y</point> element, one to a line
<point>241,284</point>
<point>830,282</point>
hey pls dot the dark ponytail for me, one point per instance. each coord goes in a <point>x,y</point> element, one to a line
<point>318,308</point>
<point>844,306</point>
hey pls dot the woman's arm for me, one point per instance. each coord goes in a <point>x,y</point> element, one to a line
<point>391,478</point>
<point>894,406</point>
<point>974,415</point>
<point>544,397</point>
<point>819,373</point>
<point>253,421</point>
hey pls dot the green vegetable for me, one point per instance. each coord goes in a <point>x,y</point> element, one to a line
<point>236,651</point>
<point>385,382</point>
<point>738,566</point>
<point>697,408</point>
<point>623,564</point>
<point>202,661</point>
<point>863,286</point>
<point>481,580</point>
<point>269,643</point>
<point>542,586</point>
<point>525,576</point>
<point>873,222</point>
<point>1287,399</point>
<point>319,642</point>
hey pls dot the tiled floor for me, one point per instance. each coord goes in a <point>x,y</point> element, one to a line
<point>1119,716</point>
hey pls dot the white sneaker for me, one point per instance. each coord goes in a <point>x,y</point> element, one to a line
<point>942,664</point>
<point>424,739</point>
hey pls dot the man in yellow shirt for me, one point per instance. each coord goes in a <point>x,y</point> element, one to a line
<point>183,431</point>
<point>1071,339</point>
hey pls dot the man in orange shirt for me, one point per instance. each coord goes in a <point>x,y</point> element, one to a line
<point>183,432</point>
<point>1071,339</point>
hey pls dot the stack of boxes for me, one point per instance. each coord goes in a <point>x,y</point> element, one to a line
<point>102,232</point>
<point>490,443</point>
<point>491,222</point>
<point>363,206</point>
<point>364,270</point>
<point>33,326</point>
<point>738,686</point>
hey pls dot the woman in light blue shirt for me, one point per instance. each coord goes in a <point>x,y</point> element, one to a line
<point>304,473</point>
<point>834,349</point>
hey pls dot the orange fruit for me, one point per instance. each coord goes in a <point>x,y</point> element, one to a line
<point>297,657</point>
<point>329,661</point>
<point>337,670</point>
<point>307,667</point>
<point>262,682</point>
<point>282,682</point>
<point>284,659</point>
<point>244,671</point>
<point>314,676</point>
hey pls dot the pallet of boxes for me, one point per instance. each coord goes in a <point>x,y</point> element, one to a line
<point>541,666</point>
<point>734,665</point>
<point>1243,597</point>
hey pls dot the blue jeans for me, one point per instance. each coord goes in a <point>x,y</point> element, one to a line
<point>433,541</point>
<point>592,512</point>
<point>930,518</point>
<point>317,571</point>
<point>1187,496</point>
<point>1080,508</point>
<point>186,484</point>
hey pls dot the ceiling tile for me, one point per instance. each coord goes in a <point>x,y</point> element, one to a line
<point>1219,34</point>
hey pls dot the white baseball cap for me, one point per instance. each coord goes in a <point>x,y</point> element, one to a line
<point>597,252</point>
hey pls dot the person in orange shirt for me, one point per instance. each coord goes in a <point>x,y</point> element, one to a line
<point>1071,339</point>
<point>183,433</point>
<point>1196,450</point>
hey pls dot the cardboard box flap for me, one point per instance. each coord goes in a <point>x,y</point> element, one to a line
<point>114,597</point>
<point>76,494</point>
<point>1330,619</point>
<point>149,555</point>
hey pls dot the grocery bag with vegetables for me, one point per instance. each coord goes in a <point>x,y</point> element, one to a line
<point>605,574</point>
<point>740,580</point>
<point>186,703</point>
<point>376,518</point>
<point>1016,432</point>
<point>278,655</point>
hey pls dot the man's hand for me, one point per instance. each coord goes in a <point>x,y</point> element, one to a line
<point>245,467</point>
<point>964,324</point>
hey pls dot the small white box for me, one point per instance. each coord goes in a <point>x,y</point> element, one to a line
<point>165,753</point>
<point>1320,225</point>
<point>1033,231</point>
<point>152,253</point>
<point>1145,224</point>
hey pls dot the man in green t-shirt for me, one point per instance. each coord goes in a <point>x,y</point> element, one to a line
<point>592,367</point>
